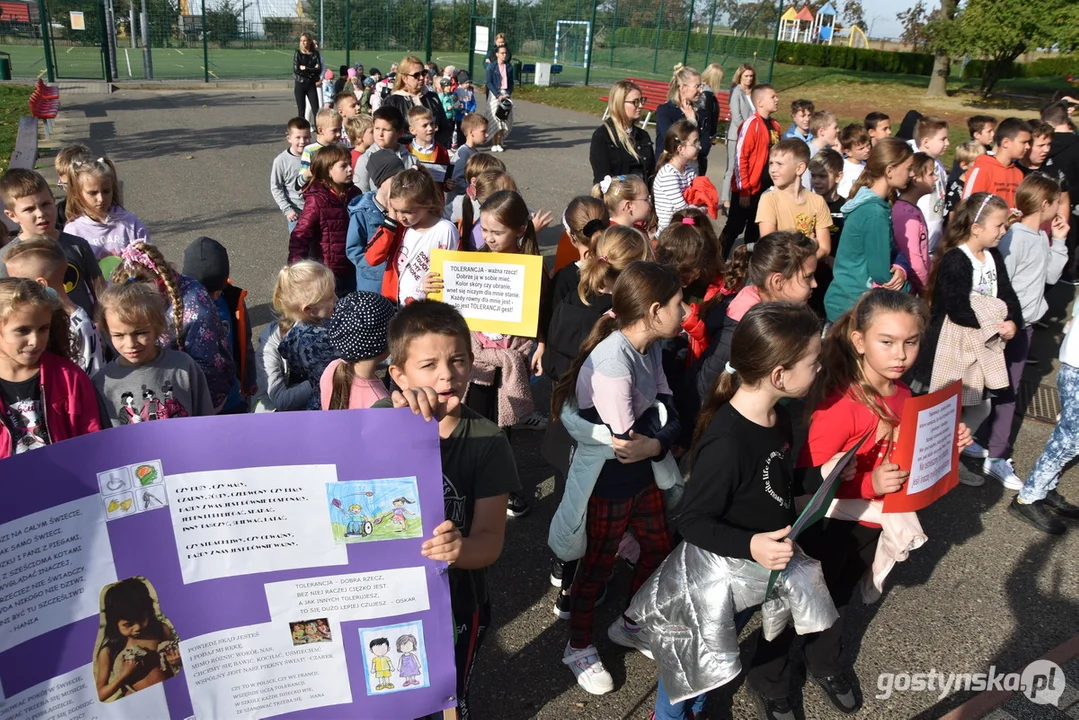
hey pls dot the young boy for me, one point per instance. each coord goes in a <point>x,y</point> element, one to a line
<point>386,130</point>
<point>207,261</point>
<point>756,137</point>
<point>42,260</point>
<point>1063,158</point>
<point>965,155</point>
<point>801,112</point>
<point>427,151</point>
<point>931,137</point>
<point>430,347</point>
<point>824,127</point>
<point>825,171</point>
<point>361,135</point>
<point>854,139</point>
<point>65,161</point>
<point>346,106</point>
<point>365,214</point>
<point>28,202</point>
<point>365,96</point>
<point>287,169</point>
<point>327,132</point>
<point>878,125</point>
<point>982,129</point>
<point>788,205</point>
<point>474,132</point>
<point>997,173</point>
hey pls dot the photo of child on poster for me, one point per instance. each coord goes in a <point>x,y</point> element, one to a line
<point>395,657</point>
<point>137,646</point>
<point>305,632</point>
<point>369,510</point>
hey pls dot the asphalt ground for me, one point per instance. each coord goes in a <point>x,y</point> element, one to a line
<point>985,590</point>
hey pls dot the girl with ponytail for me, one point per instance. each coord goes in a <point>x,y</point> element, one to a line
<point>584,221</point>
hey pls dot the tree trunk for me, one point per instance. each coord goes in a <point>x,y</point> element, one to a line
<point>942,62</point>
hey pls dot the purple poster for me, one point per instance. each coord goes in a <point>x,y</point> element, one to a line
<point>253,566</point>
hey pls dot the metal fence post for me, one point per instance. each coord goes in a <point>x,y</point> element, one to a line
<point>46,35</point>
<point>147,58</point>
<point>689,29</point>
<point>591,42</point>
<point>546,24</point>
<point>427,35</point>
<point>659,31</point>
<point>614,32</point>
<point>205,45</point>
<point>775,42</point>
<point>348,33</point>
<point>708,43</point>
<point>453,29</point>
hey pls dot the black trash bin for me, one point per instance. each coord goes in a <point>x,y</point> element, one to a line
<point>5,66</point>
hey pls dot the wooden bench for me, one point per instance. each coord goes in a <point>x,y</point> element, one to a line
<point>654,94</point>
<point>45,104</point>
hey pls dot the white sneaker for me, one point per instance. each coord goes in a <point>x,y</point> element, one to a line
<point>974,450</point>
<point>589,671</point>
<point>496,148</point>
<point>1001,469</point>
<point>630,636</point>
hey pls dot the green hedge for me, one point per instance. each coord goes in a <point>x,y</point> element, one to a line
<point>1059,65</point>
<point>698,42</point>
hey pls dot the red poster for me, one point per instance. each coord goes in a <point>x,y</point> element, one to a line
<point>927,449</point>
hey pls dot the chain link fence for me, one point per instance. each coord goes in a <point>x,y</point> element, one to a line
<point>594,41</point>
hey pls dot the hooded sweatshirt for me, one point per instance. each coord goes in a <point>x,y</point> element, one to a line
<point>866,254</point>
<point>120,229</point>
<point>1064,157</point>
<point>1033,262</point>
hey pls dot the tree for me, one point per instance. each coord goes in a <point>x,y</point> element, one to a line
<point>942,61</point>
<point>853,14</point>
<point>750,18</point>
<point>916,21</point>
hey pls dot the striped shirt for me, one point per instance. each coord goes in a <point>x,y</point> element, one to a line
<point>668,191</point>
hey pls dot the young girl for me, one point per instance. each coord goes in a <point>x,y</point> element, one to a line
<point>304,300</point>
<point>867,256</point>
<point>627,200</point>
<point>132,317</point>
<point>139,647</point>
<point>95,209</point>
<point>409,668</point>
<point>615,484</point>
<point>44,397</point>
<point>322,229</point>
<point>483,186</point>
<point>677,168</point>
<point>968,262</point>
<point>476,164</point>
<point>859,391</point>
<point>358,339</point>
<point>739,499</point>
<point>908,222</point>
<point>195,326</point>
<point>584,221</point>
<point>417,228</point>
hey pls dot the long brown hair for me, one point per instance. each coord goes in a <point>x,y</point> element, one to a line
<point>16,292</point>
<point>484,185</point>
<point>341,391</point>
<point>783,251</point>
<point>325,158</point>
<point>143,262</point>
<point>689,250</point>
<point>770,335</point>
<point>888,152</point>
<point>637,288</point>
<point>971,211</point>
<point>509,209</point>
<point>677,135</point>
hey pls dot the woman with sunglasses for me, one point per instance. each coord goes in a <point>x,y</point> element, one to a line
<point>619,146</point>
<point>409,91</point>
<point>685,102</point>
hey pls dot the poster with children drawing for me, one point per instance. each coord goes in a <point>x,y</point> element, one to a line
<point>211,568</point>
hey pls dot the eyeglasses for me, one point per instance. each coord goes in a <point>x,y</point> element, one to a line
<point>636,102</point>
<point>695,143</point>
<point>416,75</point>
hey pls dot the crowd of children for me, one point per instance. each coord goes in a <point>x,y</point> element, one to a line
<point>854,271</point>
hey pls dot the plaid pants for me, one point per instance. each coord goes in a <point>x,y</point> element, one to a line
<point>608,519</point>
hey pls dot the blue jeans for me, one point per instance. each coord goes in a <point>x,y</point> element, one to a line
<point>1063,444</point>
<point>688,709</point>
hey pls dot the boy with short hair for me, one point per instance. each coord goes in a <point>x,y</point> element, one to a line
<point>824,127</point>
<point>854,139</point>
<point>982,129</point>
<point>431,350</point>
<point>365,214</point>
<point>756,136</point>
<point>788,205</point>
<point>801,112</point>
<point>427,151</point>
<point>997,173</point>
<point>965,155</point>
<point>29,203</point>
<point>474,134</point>
<point>42,260</point>
<point>386,131</point>
<point>931,137</point>
<point>328,126</point>
<point>879,126</point>
<point>346,105</point>
<point>65,161</point>
<point>287,169</point>
<point>1063,158</point>
<point>360,135</point>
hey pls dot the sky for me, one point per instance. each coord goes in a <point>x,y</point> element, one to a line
<point>880,15</point>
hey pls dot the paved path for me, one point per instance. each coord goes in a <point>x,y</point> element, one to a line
<point>986,590</point>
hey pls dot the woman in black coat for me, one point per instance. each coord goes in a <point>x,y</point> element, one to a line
<point>683,103</point>
<point>619,146</point>
<point>409,91</point>
<point>306,73</point>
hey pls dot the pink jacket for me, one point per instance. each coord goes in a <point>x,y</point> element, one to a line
<point>912,239</point>
<point>70,401</point>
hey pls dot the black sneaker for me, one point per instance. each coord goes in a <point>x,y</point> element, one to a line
<point>517,506</point>
<point>1060,505</point>
<point>772,708</point>
<point>563,604</point>
<point>1038,515</point>
<point>840,691</point>
<point>557,566</point>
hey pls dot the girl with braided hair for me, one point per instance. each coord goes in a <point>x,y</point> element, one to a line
<point>193,323</point>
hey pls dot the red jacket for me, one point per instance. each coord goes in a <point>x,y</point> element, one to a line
<point>69,399</point>
<point>381,249</point>
<point>321,230</point>
<point>756,136</point>
<point>989,175</point>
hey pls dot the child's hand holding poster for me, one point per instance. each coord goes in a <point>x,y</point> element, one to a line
<point>927,449</point>
<point>495,292</point>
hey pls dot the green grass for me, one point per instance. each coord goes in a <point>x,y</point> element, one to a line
<point>384,530</point>
<point>13,99</point>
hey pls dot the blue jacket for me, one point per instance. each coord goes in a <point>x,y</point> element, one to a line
<point>364,217</point>
<point>494,80</point>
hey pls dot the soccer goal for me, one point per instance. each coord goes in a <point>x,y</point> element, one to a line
<point>571,41</point>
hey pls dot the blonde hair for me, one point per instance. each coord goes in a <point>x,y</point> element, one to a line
<point>161,276</point>
<point>621,189</point>
<point>416,186</point>
<point>356,127</point>
<point>616,248</point>
<point>481,162</point>
<point>101,167</point>
<point>713,76</point>
<point>326,117</point>
<point>68,156</point>
<point>969,151</point>
<point>133,303</point>
<point>402,67</point>
<point>39,257</point>
<point>18,292</point>
<point>1035,190</point>
<point>682,75</point>
<point>620,121</point>
<point>888,152</point>
<point>300,285</point>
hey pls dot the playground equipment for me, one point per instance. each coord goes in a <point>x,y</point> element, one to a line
<point>854,34</point>
<point>803,26</point>
<point>567,40</point>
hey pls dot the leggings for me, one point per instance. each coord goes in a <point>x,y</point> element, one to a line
<point>305,90</point>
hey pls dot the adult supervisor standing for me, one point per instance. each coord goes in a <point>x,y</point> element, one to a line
<point>499,89</point>
<point>683,98</point>
<point>619,146</point>
<point>742,108</point>
<point>306,73</point>
<point>409,92</point>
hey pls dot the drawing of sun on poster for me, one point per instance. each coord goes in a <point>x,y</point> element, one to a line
<point>495,292</point>
<point>368,510</point>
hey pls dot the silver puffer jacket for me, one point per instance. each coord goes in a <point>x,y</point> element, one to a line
<point>687,609</point>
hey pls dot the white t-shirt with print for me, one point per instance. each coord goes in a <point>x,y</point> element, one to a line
<point>413,258</point>
<point>985,272</point>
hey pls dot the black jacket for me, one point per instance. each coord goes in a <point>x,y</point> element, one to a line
<point>608,157</point>
<point>951,299</point>
<point>431,101</point>
<point>312,63</point>
<point>668,114</point>
<point>571,322</point>
<point>1064,157</point>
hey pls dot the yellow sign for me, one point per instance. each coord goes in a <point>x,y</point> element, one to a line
<point>496,292</point>
<point>78,21</point>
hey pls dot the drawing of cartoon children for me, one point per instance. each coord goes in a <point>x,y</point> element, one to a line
<point>399,512</point>
<point>152,409</point>
<point>409,668</point>
<point>173,408</point>
<point>129,414</point>
<point>381,666</point>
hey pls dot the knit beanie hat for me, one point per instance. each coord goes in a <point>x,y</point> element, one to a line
<point>352,72</point>
<point>328,75</point>
<point>207,261</point>
<point>382,165</point>
<point>358,325</point>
